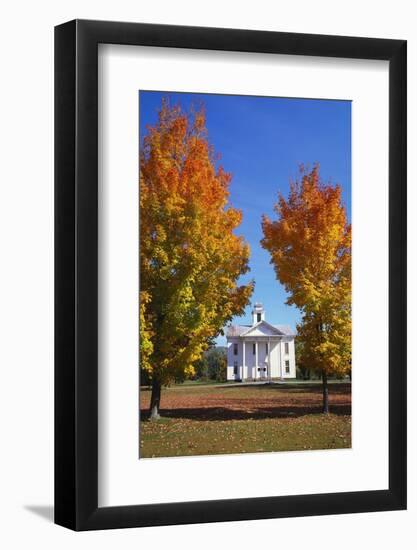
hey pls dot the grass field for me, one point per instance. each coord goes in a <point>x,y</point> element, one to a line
<point>218,419</point>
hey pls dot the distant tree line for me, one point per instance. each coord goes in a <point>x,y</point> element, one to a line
<point>212,365</point>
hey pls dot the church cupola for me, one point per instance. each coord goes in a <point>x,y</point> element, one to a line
<point>258,313</point>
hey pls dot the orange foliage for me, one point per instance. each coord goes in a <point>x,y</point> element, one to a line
<point>310,247</point>
<point>190,258</point>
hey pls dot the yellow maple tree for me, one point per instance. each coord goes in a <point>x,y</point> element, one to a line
<point>190,257</point>
<point>310,248</point>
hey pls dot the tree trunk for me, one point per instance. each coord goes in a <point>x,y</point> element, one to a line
<point>325,394</point>
<point>155,399</point>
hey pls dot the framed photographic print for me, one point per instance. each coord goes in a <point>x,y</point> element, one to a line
<point>230,252</point>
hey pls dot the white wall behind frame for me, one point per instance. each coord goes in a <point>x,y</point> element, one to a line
<point>124,71</point>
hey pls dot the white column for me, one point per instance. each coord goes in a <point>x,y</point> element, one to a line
<point>243,357</point>
<point>256,358</point>
<point>269,359</point>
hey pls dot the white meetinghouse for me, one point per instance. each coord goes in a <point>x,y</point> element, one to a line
<point>260,351</point>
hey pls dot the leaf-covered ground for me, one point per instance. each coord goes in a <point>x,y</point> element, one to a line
<point>205,420</point>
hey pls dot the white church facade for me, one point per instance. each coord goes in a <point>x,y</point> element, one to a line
<point>261,351</point>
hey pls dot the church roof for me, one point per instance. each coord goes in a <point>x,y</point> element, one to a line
<point>238,330</point>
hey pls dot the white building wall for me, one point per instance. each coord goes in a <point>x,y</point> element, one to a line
<point>250,360</point>
<point>231,359</point>
<point>283,358</point>
<point>292,359</point>
<point>277,356</point>
<point>261,360</point>
<point>275,359</point>
<point>288,359</point>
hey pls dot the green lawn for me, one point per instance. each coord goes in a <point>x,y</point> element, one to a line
<point>217,419</point>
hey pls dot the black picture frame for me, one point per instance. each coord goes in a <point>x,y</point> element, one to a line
<point>76,272</point>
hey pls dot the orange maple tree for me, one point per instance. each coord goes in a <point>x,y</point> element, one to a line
<point>190,257</point>
<point>310,248</point>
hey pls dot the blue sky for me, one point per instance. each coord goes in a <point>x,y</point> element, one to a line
<point>262,142</point>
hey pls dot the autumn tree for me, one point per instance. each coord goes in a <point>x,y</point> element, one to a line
<point>145,338</point>
<point>190,257</point>
<point>310,248</point>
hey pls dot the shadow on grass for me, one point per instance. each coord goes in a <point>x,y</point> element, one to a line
<point>334,389</point>
<point>222,413</point>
